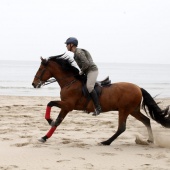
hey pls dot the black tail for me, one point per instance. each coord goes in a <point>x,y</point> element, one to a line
<point>160,116</point>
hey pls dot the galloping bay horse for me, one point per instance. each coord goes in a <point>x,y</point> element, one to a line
<point>123,97</point>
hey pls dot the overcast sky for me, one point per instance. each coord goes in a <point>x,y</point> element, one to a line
<point>133,31</point>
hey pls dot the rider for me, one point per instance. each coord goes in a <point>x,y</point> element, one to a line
<point>87,67</point>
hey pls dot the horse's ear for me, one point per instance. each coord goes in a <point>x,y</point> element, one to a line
<point>43,61</point>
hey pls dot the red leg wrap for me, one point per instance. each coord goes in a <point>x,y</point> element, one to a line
<point>50,132</point>
<point>48,111</point>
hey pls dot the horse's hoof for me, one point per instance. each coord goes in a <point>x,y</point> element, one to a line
<point>149,141</point>
<point>42,140</point>
<point>105,143</point>
<point>95,114</point>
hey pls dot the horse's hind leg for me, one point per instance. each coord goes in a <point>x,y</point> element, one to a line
<point>121,127</point>
<point>146,121</point>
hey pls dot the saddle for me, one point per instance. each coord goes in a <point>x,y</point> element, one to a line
<point>98,87</point>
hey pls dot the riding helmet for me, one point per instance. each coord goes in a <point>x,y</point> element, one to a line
<point>72,40</point>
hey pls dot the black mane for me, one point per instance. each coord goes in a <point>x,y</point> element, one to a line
<point>65,64</point>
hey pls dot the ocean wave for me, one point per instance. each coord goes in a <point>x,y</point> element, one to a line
<point>26,86</point>
<point>30,88</point>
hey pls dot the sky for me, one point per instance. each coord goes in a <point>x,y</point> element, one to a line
<point>118,31</point>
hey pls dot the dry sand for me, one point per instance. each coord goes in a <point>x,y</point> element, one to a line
<point>75,143</point>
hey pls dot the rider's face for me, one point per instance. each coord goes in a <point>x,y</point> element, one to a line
<point>68,47</point>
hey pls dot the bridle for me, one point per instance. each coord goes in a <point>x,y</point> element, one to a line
<point>52,80</point>
<point>40,77</point>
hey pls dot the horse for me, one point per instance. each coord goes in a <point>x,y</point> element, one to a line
<point>124,97</point>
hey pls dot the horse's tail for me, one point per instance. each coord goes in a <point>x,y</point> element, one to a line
<point>160,116</point>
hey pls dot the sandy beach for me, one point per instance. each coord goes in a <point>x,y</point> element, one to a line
<point>75,143</point>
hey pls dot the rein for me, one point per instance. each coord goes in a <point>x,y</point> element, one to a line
<point>49,81</point>
<point>54,80</point>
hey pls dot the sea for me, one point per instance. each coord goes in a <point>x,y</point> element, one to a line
<point>16,78</point>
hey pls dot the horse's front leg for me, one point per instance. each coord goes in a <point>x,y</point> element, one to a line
<point>48,109</point>
<point>59,119</point>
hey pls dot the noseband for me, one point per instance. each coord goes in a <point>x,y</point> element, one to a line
<point>40,77</point>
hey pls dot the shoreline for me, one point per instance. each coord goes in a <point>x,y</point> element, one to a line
<point>157,97</point>
<point>75,143</point>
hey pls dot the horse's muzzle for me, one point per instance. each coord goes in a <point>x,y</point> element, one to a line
<point>33,85</point>
<point>37,85</point>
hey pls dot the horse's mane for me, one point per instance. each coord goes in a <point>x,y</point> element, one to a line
<point>65,63</point>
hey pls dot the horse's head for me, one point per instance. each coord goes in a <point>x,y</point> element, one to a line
<point>58,67</point>
<point>42,75</point>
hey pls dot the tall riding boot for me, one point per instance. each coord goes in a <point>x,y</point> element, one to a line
<point>96,103</point>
